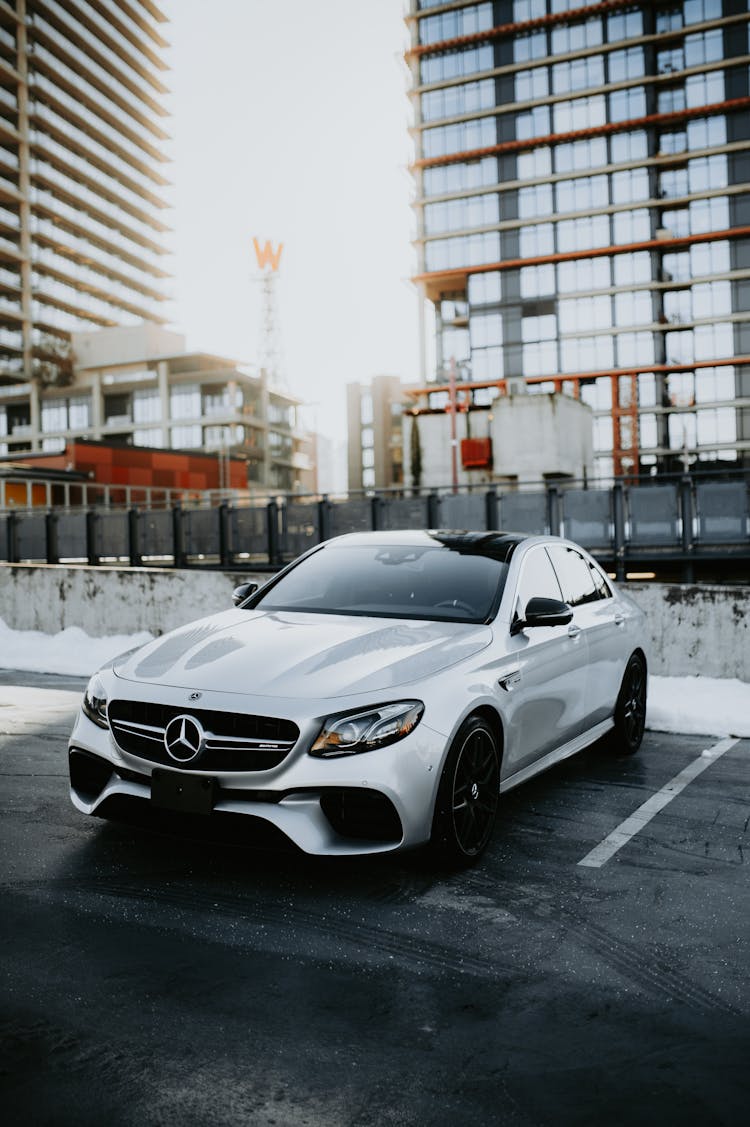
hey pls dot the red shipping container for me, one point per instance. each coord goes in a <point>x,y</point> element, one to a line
<point>476,453</point>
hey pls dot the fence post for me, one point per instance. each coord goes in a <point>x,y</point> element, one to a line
<point>375,511</point>
<point>50,530</point>
<point>133,538</point>
<point>272,527</point>
<point>178,538</point>
<point>324,518</point>
<point>686,515</point>
<point>433,510</point>
<point>553,510</point>
<point>618,509</point>
<point>225,547</point>
<point>91,552</point>
<point>12,533</point>
<point>490,509</point>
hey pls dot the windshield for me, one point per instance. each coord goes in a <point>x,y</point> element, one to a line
<point>393,581</point>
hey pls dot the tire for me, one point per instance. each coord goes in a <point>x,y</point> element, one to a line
<point>630,710</point>
<point>468,795</point>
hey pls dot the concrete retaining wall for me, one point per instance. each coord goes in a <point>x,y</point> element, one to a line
<point>694,629</point>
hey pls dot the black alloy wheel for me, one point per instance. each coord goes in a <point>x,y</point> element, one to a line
<point>630,711</point>
<point>468,794</point>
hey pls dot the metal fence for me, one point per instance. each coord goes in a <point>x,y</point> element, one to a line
<point>682,519</point>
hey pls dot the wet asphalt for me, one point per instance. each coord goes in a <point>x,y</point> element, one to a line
<point>183,975</point>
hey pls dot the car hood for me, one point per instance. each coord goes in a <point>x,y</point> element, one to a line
<point>306,655</point>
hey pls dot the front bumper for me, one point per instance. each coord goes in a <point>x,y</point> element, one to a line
<point>374,802</point>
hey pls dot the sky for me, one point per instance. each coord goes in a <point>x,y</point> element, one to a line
<point>698,705</point>
<point>290,123</point>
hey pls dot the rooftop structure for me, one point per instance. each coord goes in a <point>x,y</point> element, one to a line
<point>584,215</point>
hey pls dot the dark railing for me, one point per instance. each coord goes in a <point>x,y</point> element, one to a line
<point>628,524</point>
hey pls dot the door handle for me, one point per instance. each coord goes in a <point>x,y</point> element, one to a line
<point>573,631</point>
<point>619,619</point>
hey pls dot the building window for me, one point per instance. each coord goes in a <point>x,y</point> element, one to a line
<point>486,288</point>
<point>456,64</point>
<point>365,409</point>
<point>152,437</point>
<point>536,241</point>
<point>524,10</point>
<point>537,281</point>
<point>486,330</point>
<point>535,201</point>
<point>185,401</point>
<point>367,437</point>
<point>531,84</point>
<point>631,269</point>
<point>630,186</point>
<point>146,407</point>
<point>676,221</point>
<point>670,99</point>
<point>709,258</point>
<point>583,234</point>
<point>713,385</point>
<point>584,274</point>
<point>528,45</point>
<point>186,437</point>
<point>583,194</point>
<point>706,132</point>
<point>626,63</point>
<point>711,299</point>
<point>479,133</point>
<point>627,104</point>
<point>707,173</point>
<point>569,37</point>
<point>534,164</point>
<point>624,25</point>
<point>668,19</point>
<point>586,354</point>
<point>451,25</point>
<point>471,250</point>
<point>704,47</point>
<point>635,349</point>
<point>457,215</point>
<point>582,314</point>
<point>631,226</point>
<point>533,123</point>
<point>460,177</point>
<point>700,11</point>
<point>578,74</point>
<point>633,307</point>
<point>673,182</point>
<point>54,416</point>
<point>714,341</point>
<point>628,147</point>
<point>677,306</point>
<point>580,113</point>
<point>709,215</point>
<point>704,89</point>
<point>577,156</point>
<point>452,101</point>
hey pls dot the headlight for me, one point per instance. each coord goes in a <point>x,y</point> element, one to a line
<point>95,702</point>
<point>352,733</point>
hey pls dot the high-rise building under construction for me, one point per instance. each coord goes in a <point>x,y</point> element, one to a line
<point>81,187</point>
<point>584,214</point>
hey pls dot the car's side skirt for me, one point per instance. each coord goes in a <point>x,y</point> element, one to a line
<point>557,756</point>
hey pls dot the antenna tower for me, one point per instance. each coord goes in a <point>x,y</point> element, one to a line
<point>270,351</point>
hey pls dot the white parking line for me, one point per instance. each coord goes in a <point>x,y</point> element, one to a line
<point>602,852</point>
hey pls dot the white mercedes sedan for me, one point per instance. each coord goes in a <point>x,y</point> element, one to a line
<point>379,693</point>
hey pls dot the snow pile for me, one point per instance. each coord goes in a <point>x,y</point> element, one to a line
<point>71,651</point>
<point>701,706</point>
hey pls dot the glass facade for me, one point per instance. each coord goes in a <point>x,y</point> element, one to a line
<point>81,178</point>
<point>584,196</point>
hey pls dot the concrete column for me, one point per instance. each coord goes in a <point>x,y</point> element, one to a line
<point>162,375</point>
<point>97,405</point>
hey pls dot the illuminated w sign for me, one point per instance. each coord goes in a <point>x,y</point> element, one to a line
<point>267,256</point>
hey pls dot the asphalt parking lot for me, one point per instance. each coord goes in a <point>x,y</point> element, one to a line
<point>190,977</point>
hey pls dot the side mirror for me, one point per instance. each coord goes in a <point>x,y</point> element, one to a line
<point>543,612</point>
<point>244,591</point>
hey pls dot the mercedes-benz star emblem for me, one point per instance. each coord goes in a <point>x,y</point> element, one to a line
<point>183,739</point>
<point>195,696</point>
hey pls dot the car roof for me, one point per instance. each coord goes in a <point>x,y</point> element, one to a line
<point>494,543</point>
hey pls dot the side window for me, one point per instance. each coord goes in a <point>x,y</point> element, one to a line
<point>538,580</point>
<point>575,576</point>
<point>603,589</point>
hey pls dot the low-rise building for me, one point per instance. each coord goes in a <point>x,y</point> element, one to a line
<point>139,386</point>
<point>375,449</point>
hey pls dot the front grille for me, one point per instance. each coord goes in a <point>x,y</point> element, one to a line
<point>232,741</point>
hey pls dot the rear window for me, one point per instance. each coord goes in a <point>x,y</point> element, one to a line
<point>392,581</point>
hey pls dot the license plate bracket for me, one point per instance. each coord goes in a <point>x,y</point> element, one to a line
<point>175,790</point>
